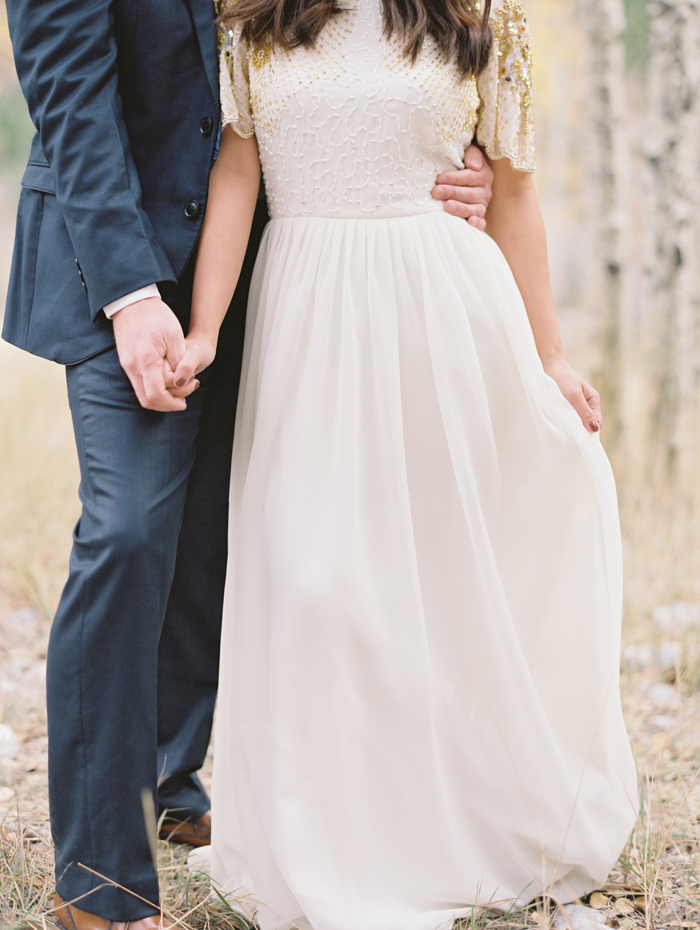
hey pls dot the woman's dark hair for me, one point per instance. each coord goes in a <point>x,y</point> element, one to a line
<point>458,27</point>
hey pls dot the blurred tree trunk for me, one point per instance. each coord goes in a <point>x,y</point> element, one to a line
<point>604,22</point>
<point>673,276</point>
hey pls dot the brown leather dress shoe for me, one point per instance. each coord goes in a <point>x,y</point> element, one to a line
<point>193,832</point>
<point>70,917</point>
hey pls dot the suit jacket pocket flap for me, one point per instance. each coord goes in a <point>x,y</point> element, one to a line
<point>39,178</point>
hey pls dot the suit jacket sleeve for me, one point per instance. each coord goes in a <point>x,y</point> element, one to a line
<point>66,58</point>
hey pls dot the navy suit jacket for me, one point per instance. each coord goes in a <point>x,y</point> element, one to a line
<point>124,97</point>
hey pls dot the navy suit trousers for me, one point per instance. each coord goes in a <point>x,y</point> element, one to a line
<point>102,670</point>
<point>134,648</point>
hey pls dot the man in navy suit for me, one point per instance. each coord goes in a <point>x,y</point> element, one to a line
<point>124,97</point>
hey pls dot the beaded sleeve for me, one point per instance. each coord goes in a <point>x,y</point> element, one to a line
<point>505,125</point>
<point>234,82</point>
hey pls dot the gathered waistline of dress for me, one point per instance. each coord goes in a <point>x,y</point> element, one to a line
<point>380,213</point>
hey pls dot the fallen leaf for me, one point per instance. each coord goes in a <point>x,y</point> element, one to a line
<point>623,906</point>
<point>598,901</point>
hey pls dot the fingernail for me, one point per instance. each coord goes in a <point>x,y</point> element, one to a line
<point>451,206</point>
<point>196,385</point>
<point>595,426</point>
<point>179,381</point>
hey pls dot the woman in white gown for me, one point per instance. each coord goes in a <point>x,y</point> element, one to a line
<point>419,708</point>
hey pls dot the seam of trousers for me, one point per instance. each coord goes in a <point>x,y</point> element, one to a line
<point>89,494</point>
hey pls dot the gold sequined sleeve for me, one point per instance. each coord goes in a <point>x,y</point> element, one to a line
<point>505,125</point>
<point>233,82</point>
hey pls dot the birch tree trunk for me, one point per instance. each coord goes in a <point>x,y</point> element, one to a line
<point>604,22</point>
<point>673,276</point>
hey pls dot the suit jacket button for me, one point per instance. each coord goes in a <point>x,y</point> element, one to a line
<point>206,126</point>
<point>191,209</point>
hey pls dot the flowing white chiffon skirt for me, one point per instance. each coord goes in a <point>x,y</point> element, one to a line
<point>419,706</point>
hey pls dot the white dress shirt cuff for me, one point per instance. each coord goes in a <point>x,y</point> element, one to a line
<point>141,294</point>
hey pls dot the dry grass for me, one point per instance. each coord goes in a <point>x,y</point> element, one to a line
<point>655,884</point>
<point>38,478</point>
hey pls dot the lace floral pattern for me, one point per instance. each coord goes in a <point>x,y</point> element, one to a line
<point>352,128</point>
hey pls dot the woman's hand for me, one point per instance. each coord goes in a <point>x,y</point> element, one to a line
<point>233,194</point>
<point>583,398</point>
<point>515,223</point>
<point>199,354</point>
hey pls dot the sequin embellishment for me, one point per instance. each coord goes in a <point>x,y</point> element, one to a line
<point>234,82</point>
<point>261,54</point>
<point>506,124</point>
<point>514,52</point>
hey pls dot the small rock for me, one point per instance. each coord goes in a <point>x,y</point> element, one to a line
<point>6,796</point>
<point>38,670</point>
<point>679,858</point>
<point>663,616</point>
<point>638,657</point>
<point>25,618</point>
<point>663,696</point>
<point>578,917</point>
<point>662,722</point>
<point>9,747</point>
<point>669,655</point>
<point>676,616</point>
<point>672,910</point>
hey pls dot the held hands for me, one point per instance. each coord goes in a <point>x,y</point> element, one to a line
<point>583,398</point>
<point>467,192</point>
<point>199,354</point>
<point>151,344</point>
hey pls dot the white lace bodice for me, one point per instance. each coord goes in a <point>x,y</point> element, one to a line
<point>351,128</point>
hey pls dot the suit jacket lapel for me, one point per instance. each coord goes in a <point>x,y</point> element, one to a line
<point>203,14</point>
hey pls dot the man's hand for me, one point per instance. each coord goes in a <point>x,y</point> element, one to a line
<point>150,343</point>
<point>467,192</point>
